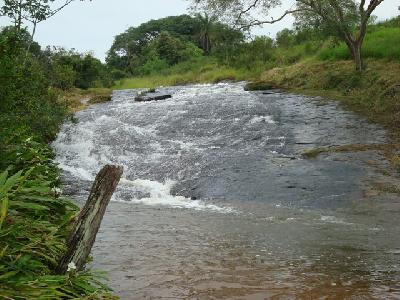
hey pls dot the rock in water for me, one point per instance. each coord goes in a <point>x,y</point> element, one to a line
<point>152,98</point>
<point>151,95</point>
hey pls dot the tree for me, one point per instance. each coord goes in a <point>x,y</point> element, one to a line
<point>67,68</point>
<point>285,38</point>
<point>33,11</point>
<point>128,46</point>
<point>349,18</point>
<point>205,32</point>
<point>207,24</point>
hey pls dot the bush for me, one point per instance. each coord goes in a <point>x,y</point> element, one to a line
<point>34,224</point>
<point>27,104</point>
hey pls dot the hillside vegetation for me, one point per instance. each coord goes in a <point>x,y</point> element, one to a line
<point>35,218</point>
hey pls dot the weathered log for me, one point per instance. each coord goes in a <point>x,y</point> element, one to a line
<point>87,224</point>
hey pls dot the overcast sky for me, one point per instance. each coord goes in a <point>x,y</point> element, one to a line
<point>91,26</point>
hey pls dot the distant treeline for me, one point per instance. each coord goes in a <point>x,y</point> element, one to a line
<point>160,44</point>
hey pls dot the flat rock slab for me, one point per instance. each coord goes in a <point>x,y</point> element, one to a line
<point>152,97</point>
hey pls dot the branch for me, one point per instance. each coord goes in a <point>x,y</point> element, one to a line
<point>53,12</point>
<point>365,17</point>
<point>361,8</point>
<point>49,14</point>
<point>247,10</point>
<point>272,21</point>
<point>371,7</point>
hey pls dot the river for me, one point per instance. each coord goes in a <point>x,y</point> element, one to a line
<point>216,201</point>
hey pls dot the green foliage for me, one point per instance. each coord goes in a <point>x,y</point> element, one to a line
<point>63,76</point>
<point>34,218</point>
<point>68,68</point>
<point>253,57</point>
<point>28,106</point>
<point>285,38</point>
<point>129,46</point>
<point>146,49</point>
<point>34,223</point>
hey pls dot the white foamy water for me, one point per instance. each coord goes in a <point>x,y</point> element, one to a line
<point>160,195</point>
<point>333,219</point>
<point>266,119</point>
<point>134,135</point>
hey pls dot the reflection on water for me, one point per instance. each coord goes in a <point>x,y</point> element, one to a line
<point>217,203</point>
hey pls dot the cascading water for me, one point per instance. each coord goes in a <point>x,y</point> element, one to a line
<point>216,200</point>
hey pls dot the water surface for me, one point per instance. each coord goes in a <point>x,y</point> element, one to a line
<point>216,201</point>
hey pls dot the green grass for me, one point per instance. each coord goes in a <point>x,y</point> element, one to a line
<point>203,71</point>
<point>380,42</point>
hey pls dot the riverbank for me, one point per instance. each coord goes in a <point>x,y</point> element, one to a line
<point>79,99</point>
<point>374,93</point>
<point>35,217</point>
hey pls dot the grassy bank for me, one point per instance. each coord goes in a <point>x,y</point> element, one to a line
<point>77,99</point>
<point>205,70</point>
<point>249,60</point>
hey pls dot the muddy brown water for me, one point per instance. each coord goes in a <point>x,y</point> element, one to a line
<point>216,201</point>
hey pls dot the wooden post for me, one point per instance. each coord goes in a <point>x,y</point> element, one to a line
<point>88,222</point>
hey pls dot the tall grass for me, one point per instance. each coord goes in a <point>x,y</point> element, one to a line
<point>204,71</point>
<point>380,43</point>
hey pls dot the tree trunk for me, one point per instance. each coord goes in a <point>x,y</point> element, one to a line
<point>19,18</point>
<point>88,222</point>
<point>355,51</point>
<point>357,56</point>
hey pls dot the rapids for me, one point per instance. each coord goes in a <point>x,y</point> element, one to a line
<point>216,201</point>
